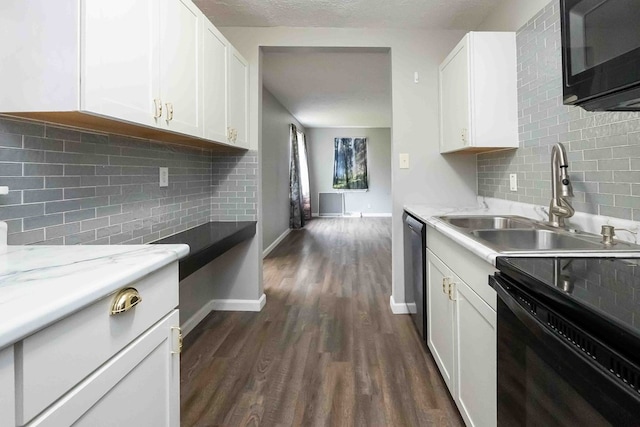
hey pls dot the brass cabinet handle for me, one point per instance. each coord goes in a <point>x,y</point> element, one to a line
<point>169,111</point>
<point>445,283</point>
<point>125,300</point>
<point>158,108</point>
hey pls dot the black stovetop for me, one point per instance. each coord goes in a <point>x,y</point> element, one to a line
<point>606,288</point>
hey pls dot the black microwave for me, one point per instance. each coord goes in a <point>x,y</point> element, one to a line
<point>601,54</point>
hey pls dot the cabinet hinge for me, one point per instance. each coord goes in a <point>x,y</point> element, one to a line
<point>179,340</point>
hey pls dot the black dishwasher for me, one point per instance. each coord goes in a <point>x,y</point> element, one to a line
<point>568,341</point>
<point>415,239</point>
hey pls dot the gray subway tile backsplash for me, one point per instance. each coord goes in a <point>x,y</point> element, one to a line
<point>71,186</point>
<point>603,148</point>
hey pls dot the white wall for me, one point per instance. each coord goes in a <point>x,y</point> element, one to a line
<point>275,167</point>
<point>377,200</point>
<point>432,179</point>
<point>510,15</point>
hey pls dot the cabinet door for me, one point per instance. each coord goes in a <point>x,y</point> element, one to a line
<point>140,386</point>
<point>7,388</point>
<point>239,97</point>
<point>454,99</point>
<point>180,79</point>
<point>119,59</point>
<point>476,373</point>
<point>214,76</point>
<point>440,318</point>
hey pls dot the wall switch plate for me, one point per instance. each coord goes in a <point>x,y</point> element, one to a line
<point>513,182</point>
<point>404,160</point>
<point>164,177</point>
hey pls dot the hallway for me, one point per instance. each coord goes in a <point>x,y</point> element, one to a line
<point>325,350</point>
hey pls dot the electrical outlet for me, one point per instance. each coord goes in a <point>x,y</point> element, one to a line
<point>164,177</point>
<point>404,161</point>
<point>513,182</point>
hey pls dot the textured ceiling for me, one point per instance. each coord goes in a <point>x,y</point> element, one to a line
<point>425,14</point>
<point>331,87</point>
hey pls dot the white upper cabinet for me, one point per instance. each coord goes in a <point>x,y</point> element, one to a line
<point>180,39</point>
<point>120,73</point>
<point>214,84</point>
<point>478,94</point>
<point>150,68</point>
<point>238,99</point>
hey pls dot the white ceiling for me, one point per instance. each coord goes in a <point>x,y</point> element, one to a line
<point>331,87</point>
<point>425,14</point>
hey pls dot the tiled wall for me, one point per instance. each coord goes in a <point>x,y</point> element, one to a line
<point>603,148</point>
<point>234,187</point>
<point>70,186</point>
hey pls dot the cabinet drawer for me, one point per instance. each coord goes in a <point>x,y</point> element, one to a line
<point>470,268</point>
<point>137,387</point>
<point>57,358</point>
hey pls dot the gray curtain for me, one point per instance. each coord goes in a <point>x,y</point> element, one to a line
<point>296,203</point>
<point>304,167</point>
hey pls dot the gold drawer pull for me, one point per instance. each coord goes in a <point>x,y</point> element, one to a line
<point>125,300</point>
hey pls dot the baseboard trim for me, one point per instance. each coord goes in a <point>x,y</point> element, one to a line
<point>223,305</point>
<point>347,215</point>
<point>398,308</point>
<point>198,317</point>
<point>275,243</point>
<point>239,304</point>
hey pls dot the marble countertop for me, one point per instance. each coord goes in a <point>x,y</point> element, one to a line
<point>429,215</point>
<point>488,206</point>
<point>40,285</point>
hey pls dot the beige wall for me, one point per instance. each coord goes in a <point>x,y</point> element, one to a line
<point>432,178</point>
<point>510,15</point>
<point>377,199</point>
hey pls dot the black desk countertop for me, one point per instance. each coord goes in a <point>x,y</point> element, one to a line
<point>209,241</point>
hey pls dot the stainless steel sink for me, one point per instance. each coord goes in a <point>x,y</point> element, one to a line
<point>489,222</point>
<point>518,235</point>
<point>534,240</point>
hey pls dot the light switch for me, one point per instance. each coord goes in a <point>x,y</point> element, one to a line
<point>513,182</point>
<point>164,177</point>
<point>404,160</point>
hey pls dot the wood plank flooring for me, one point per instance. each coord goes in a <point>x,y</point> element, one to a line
<point>325,350</point>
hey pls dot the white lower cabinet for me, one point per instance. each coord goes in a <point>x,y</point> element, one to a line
<point>7,388</point>
<point>138,387</point>
<point>462,328</point>
<point>476,388</point>
<point>115,362</point>
<point>440,319</point>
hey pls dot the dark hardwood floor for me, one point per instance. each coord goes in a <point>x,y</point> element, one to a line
<point>325,350</point>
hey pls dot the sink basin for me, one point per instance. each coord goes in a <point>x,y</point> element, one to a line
<point>547,241</point>
<point>489,222</point>
<point>536,240</point>
<point>517,235</point>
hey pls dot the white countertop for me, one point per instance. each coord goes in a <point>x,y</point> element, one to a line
<point>40,285</point>
<point>429,215</point>
<point>488,206</point>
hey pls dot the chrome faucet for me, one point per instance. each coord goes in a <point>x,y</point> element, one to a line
<point>560,208</point>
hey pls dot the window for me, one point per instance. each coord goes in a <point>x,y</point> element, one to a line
<point>350,164</point>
